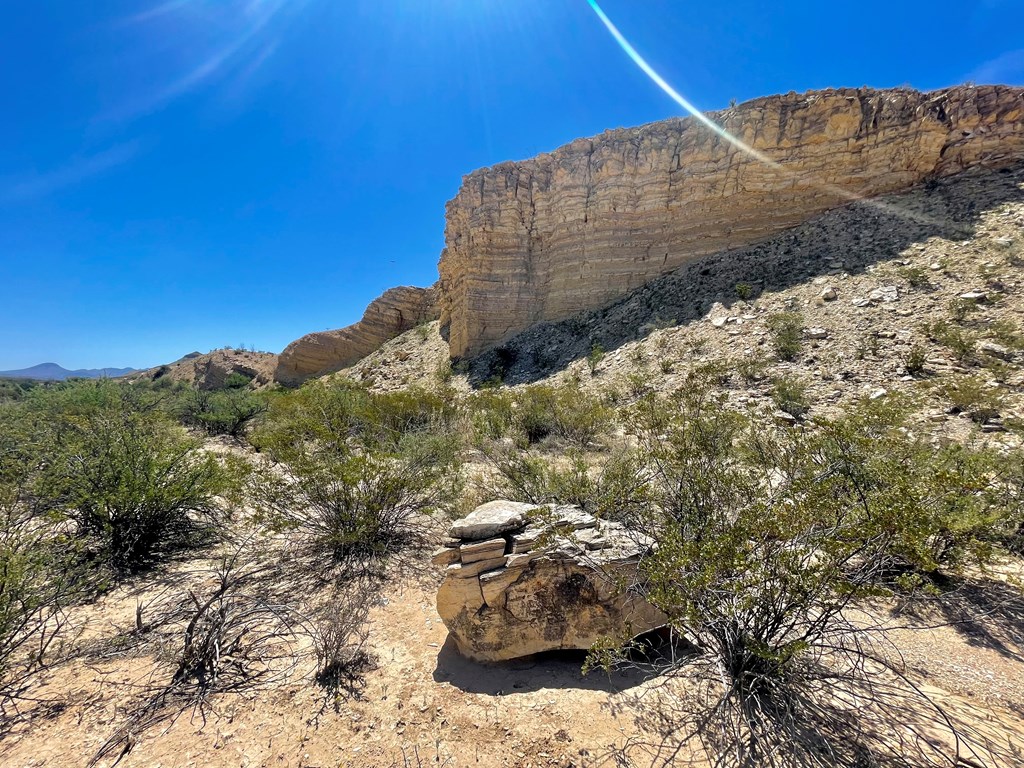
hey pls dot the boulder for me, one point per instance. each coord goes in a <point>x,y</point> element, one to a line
<point>557,583</point>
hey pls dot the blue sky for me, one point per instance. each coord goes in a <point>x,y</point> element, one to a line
<point>197,173</point>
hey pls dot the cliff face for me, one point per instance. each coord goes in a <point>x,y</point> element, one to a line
<point>315,354</point>
<point>584,225</point>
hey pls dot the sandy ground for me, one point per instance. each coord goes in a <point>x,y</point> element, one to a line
<point>423,705</point>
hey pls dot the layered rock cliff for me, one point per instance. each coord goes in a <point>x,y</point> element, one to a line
<point>393,313</point>
<point>582,226</point>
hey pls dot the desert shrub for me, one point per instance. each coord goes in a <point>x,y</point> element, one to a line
<point>132,483</point>
<point>327,414</point>
<point>491,414</point>
<point>960,308</point>
<point>38,572</point>
<point>595,358</point>
<point>790,395</point>
<point>1006,332</point>
<point>339,415</point>
<point>787,332</point>
<point>236,380</point>
<point>356,509</point>
<point>744,291</point>
<point>767,538</point>
<point>617,490</point>
<point>971,395</point>
<point>916,276</point>
<point>915,359</point>
<point>565,411</point>
<point>224,412</point>
<point>960,342</point>
<point>340,637</point>
<point>751,368</point>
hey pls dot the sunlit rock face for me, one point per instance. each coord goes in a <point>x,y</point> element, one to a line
<point>579,227</point>
<point>521,579</point>
<point>316,354</point>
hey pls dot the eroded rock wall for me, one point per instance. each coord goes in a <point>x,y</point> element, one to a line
<point>580,227</point>
<point>393,313</point>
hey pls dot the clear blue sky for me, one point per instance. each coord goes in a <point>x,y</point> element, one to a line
<point>198,173</point>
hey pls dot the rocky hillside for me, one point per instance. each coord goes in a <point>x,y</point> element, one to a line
<point>920,293</point>
<point>315,354</point>
<point>211,370</point>
<point>578,228</point>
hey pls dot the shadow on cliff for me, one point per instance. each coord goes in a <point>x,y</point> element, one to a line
<point>553,669</point>
<point>848,239</point>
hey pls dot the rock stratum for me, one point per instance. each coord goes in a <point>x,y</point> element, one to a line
<point>580,227</point>
<point>393,313</point>
<point>522,579</point>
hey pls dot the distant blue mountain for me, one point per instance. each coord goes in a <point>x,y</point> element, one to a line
<point>54,372</point>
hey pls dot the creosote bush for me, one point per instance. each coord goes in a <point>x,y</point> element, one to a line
<point>768,537</point>
<point>787,334</point>
<point>132,483</point>
<point>790,395</point>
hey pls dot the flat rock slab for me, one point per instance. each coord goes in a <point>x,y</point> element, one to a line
<point>492,519</point>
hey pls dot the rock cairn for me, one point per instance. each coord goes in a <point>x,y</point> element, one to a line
<point>522,579</point>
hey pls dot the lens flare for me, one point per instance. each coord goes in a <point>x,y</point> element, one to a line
<point>741,145</point>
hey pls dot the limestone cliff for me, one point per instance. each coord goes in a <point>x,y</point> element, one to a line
<point>395,312</point>
<point>578,228</point>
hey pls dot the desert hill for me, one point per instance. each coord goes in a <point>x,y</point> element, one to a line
<point>55,372</point>
<point>211,370</point>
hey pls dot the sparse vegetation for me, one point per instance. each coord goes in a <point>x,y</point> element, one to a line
<point>787,334</point>
<point>790,396</point>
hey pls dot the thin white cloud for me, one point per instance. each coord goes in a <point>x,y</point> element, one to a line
<point>1007,68</point>
<point>243,48</point>
<point>33,185</point>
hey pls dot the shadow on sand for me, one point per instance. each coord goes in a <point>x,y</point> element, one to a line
<point>553,670</point>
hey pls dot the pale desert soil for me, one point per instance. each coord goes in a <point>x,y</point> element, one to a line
<point>425,705</point>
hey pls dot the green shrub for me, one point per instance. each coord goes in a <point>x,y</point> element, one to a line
<point>971,395</point>
<point>787,333</point>
<point>223,412</point>
<point>790,395</point>
<point>132,484</point>
<point>355,511</point>
<point>1006,332</point>
<point>960,342</point>
<point>595,358</point>
<point>744,291</point>
<point>768,538</point>
<point>960,308</point>
<point>565,411</point>
<point>917,276</point>
<point>915,359</point>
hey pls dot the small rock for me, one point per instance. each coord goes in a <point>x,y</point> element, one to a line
<point>990,348</point>
<point>1003,242</point>
<point>482,550</point>
<point>887,294</point>
<point>444,557</point>
<point>719,322</point>
<point>491,519</point>
<point>974,296</point>
<point>829,294</point>
<point>935,266</point>
<point>876,394</point>
<point>992,426</point>
<point>785,419</point>
<point>816,333</point>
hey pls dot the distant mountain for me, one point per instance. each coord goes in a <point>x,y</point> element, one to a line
<point>54,372</point>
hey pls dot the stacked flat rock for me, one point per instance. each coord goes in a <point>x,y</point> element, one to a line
<point>521,579</point>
